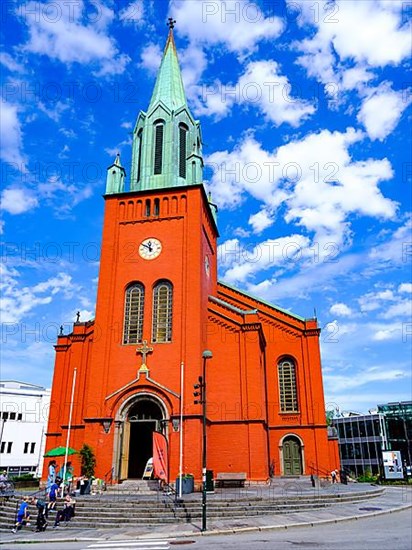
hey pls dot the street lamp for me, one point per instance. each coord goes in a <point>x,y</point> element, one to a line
<point>207,354</point>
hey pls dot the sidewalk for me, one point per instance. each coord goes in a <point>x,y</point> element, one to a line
<point>394,499</point>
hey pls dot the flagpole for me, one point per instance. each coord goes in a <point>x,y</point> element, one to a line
<point>69,429</point>
<point>181,429</point>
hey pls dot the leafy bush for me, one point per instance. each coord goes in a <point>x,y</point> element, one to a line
<point>22,477</point>
<point>367,477</point>
<point>88,461</point>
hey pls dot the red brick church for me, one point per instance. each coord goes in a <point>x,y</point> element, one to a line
<point>160,306</point>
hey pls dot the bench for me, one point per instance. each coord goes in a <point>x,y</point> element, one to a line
<point>230,478</point>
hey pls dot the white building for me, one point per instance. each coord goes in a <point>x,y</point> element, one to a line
<point>24,416</point>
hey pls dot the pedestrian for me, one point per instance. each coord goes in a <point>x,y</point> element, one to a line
<point>51,478</point>
<point>23,515</point>
<point>333,474</point>
<point>3,481</point>
<point>41,523</point>
<point>51,506</point>
<point>67,512</point>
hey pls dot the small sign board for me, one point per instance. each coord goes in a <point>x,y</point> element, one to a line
<point>148,471</point>
<point>392,464</point>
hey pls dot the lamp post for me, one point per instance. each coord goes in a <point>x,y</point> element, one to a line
<point>207,354</point>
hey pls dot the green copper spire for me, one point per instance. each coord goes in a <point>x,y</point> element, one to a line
<point>167,141</point>
<point>169,85</point>
<point>116,175</point>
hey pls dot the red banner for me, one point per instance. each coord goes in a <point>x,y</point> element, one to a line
<point>160,460</point>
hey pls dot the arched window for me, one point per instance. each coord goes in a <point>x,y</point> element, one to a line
<point>183,129</point>
<point>162,312</point>
<point>156,207</point>
<point>133,314</point>
<point>139,153</point>
<point>147,208</point>
<point>158,154</point>
<point>287,386</point>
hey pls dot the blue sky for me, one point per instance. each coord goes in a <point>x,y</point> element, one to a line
<point>305,111</point>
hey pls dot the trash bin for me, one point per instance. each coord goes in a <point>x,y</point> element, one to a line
<point>210,482</point>
<point>188,484</point>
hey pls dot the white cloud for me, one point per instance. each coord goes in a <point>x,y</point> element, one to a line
<point>397,250</point>
<point>62,196</point>
<point>261,86</point>
<point>364,377</point>
<point>244,262</point>
<point>381,111</point>
<point>11,135</point>
<point>389,303</point>
<point>261,221</point>
<point>68,40</point>
<point>314,177</point>
<point>16,200</point>
<point>133,13</point>
<point>151,57</point>
<point>18,301</point>
<point>237,24</point>
<point>352,40</point>
<point>10,63</point>
<point>405,287</point>
<point>341,310</point>
<point>53,113</point>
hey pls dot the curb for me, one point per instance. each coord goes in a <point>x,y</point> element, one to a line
<point>213,532</point>
<point>301,524</point>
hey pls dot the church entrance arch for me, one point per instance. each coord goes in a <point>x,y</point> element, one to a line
<point>145,415</point>
<point>292,456</point>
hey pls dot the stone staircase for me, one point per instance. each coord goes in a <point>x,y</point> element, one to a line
<point>134,487</point>
<point>111,510</point>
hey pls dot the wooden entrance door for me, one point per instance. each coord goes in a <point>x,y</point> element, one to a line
<point>292,457</point>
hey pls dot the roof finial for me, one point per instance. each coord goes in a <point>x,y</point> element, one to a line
<point>171,23</point>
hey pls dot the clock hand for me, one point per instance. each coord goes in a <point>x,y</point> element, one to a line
<point>148,246</point>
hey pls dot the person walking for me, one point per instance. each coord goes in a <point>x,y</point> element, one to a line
<point>51,506</point>
<point>51,478</point>
<point>23,515</point>
<point>41,523</point>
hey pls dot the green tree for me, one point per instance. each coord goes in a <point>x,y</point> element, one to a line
<point>329,418</point>
<point>88,461</point>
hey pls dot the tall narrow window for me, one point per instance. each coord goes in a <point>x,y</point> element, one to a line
<point>182,150</point>
<point>158,157</point>
<point>156,207</point>
<point>139,153</point>
<point>147,208</point>
<point>162,312</point>
<point>133,314</point>
<point>287,386</point>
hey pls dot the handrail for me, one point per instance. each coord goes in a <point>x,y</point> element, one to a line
<point>108,476</point>
<point>169,494</point>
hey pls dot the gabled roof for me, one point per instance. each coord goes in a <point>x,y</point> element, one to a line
<point>263,302</point>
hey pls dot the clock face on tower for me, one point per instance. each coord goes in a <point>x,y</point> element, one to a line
<point>150,248</point>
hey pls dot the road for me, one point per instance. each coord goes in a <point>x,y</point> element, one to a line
<point>375,533</point>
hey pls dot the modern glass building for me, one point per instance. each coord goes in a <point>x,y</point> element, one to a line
<point>398,421</point>
<point>361,441</point>
<point>362,438</point>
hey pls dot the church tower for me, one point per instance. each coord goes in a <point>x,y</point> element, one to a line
<point>157,269</point>
<point>160,306</point>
